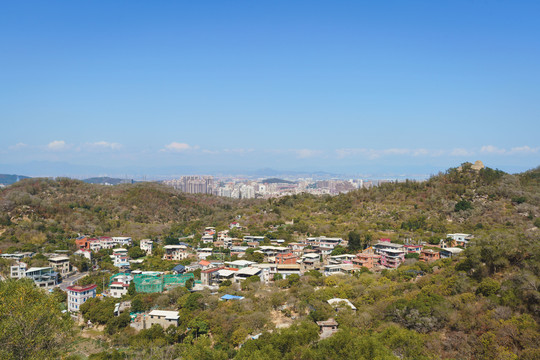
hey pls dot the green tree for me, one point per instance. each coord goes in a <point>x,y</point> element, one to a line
<point>131,289</point>
<point>135,252</point>
<point>354,241</point>
<point>293,279</point>
<point>462,205</point>
<point>31,323</point>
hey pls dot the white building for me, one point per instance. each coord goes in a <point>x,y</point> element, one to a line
<point>84,253</point>
<point>122,240</point>
<point>146,245</point>
<point>207,239</point>
<point>460,239</point>
<point>175,252</point>
<point>18,271</point>
<point>60,264</point>
<point>120,257</point>
<point>77,295</point>
<point>119,286</point>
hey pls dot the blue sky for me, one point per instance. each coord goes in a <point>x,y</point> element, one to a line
<point>357,87</point>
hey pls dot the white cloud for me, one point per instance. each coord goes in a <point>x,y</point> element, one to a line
<point>106,145</point>
<point>524,150</point>
<point>490,149</point>
<point>461,152</point>
<point>18,146</point>
<point>210,152</point>
<point>307,153</point>
<point>57,145</point>
<point>179,147</point>
<point>377,153</point>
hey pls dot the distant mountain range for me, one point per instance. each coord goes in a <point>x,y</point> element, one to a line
<point>6,179</point>
<point>277,181</point>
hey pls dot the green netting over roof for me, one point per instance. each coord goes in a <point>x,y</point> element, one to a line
<point>157,283</point>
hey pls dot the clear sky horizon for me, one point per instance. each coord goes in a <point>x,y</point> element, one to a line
<point>344,86</point>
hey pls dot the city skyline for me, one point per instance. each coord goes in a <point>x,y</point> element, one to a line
<point>190,88</point>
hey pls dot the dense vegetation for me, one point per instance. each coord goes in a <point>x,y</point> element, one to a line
<point>484,304</point>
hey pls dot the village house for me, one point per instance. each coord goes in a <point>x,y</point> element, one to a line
<point>250,238</point>
<point>239,251</point>
<point>459,239</point>
<point>246,272</point>
<point>120,257</point>
<point>270,251</point>
<point>209,231</point>
<point>367,258</point>
<point>175,252</point>
<point>297,248</point>
<point>239,264</point>
<point>60,264</point>
<point>277,242</point>
<point>43,277</point>
<point>82,243</point>
<point>341,259</point>
<point>122,241</point>
<point>203,253</point>
<point>159,317</point>
<point>411,249</point>
<point>392,255</point>
<point>78,295</point>
<point>84,253</point>
<point>210,276</point>
<point>311,260</point>
<point>285,270</point>
<point>429,255</point>
<point>119,285</point>
<point>18,255</point>
<point>449,252</point>
<point>323,244</point>
<point>207,239</point>
<point>146,245</point>
<point>226,274</point>
<point>18,270</point>
<point>327,328</point>
<point>289,258</point>
<point>391,258</point>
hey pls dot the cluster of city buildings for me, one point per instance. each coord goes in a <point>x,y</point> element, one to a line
<point>249,189</point>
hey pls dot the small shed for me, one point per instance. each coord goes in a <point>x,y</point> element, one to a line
<point>179,269</point>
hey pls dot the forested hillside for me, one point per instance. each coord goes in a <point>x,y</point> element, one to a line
<point>483,304</point>
<point>42,212</point>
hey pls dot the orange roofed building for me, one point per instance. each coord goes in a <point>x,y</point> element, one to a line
<point>429,255</point>
<point>367,258</point>
<point>289,258</point>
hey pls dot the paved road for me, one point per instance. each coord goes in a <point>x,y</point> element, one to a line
<point>71,280</point>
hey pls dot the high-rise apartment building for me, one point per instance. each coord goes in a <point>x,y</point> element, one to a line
<point>194,184</point>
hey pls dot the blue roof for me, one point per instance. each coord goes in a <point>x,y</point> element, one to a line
<point>179,268</point>
<point>231,297</point>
